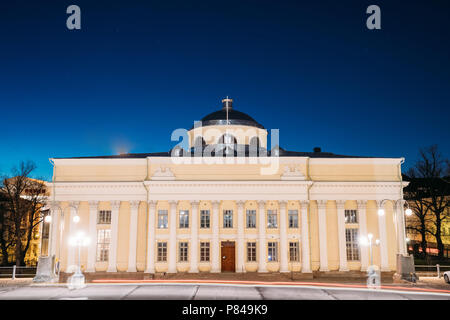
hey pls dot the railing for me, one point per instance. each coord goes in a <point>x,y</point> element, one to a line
<point>14,272</point>
<point>431,270</point>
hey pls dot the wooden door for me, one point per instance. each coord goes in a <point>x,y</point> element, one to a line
<point>228,256</point>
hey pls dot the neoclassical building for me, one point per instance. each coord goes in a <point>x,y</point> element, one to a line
<point>223,200</point>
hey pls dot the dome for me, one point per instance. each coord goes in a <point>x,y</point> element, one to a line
<point>234,117</point>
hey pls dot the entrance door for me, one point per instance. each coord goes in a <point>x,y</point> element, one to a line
<point>228,256</point>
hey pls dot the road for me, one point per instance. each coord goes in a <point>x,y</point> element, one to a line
<point>149,291</point>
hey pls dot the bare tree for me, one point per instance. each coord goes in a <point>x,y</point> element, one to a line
<point>5,239</point>
<point>430,175</point>
<point>25,197</point>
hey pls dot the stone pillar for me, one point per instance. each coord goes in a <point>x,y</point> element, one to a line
<point>134,208</point>
<point>194,237</point>
<point>173,237</point>
<point>383,239</point>
<point>401,232</point>
<point>72,231</point>
<point>283,238</point>
<point>112,265</point>
<point>322,206</point>
<point>340,204</point>
<point>262,260</point>
<point>306,261</point>
<point>240,237</point>
<point>215,246</point>
<point>151,237</point>
<point>363,233</point>
<point>54,228</point>
<point>93,209</point>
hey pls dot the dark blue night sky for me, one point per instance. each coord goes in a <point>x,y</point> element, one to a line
<point>137,70</point>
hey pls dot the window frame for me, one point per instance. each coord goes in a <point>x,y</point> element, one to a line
<point>203,217</point>
<point>270,215</point>
<point>291,214</point>
<point>227,223</point>
<point>250,213</point>
<point>251,251</point>
<point>163,213</point>
<point>183,223</point>
<point>103,247</point>
<point>272,250</point>
<point>161,251</point>
<point>183,251</point>
<point>205,251</point>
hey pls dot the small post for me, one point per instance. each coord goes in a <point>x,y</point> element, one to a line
<point>14,273</point>
<point>438,270</point>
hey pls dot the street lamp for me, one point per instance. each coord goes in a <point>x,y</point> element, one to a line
<point>373,279</point>
<point>77,280</point>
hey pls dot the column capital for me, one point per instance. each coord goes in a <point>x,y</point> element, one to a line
<point>173,202</point>
<point>115,204</point>
<point>74,204</point>
<point>282,204</point>
<point>304,203</point>
<point>215,204</point>
<point>152,203</point>
<point>340,204</point>
<point>93,204</point>
<point>361,204</point>
<point>240,204</point>
<point>261,203</point>
<point>134,204</point>
<point>195,203</point>
<point>321,204</point>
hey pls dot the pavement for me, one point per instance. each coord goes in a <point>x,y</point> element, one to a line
<point>430,289</point>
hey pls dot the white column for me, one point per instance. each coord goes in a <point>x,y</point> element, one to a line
<point>93,207</point>
<point>340,204</point>
<point>151,237</point>
<point>134,207</point>
<point>194,237</point>
<point>53,232</point>
<point>112,265</point>
<point>363,233</point>
<point>240,237</point>
<point>173,237</point>
<point>215,249</point>
<point>72,230</point>
<point>322,206</point>
<point>383,240</point>
<point>306,261</point>
<point>262,259</point>
<point>283,238</point>
<point>401,232</point>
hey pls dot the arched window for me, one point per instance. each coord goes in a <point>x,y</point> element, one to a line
<point>254,146</point>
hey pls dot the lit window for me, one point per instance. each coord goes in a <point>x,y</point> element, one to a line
<point>204,251</point>
<point>162,252</point>
<point>251,219</point>
<point>184,219</point>
<point>162,219</point>
<point>272,251</point>
<point>204,219</point>
<point>351,242</point>
<point>293,218</point>
<point>103,241</point>
<point>228,218</point>
<point>293,251</point>
<point>251,251</point>
<point>104,217</point>
<point>183,252</point>
<point>351,216</point>
<point>272,219</point>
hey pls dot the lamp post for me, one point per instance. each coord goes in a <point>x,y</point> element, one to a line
<point>373,279</point>
<point>77,280</point>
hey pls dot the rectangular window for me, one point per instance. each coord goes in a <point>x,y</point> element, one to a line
<point>204,219</point>
<point>272,219</point>
<point>204,251</point>
<point>272,251</point>
<point>228,218</point>
<point>183,252</point>
<point>103,241</point>
<point>184,219</point>
<point>163,219</point>
<point>293,218</point>
<point>351,239</point>
<point>251,219</point>
<point>104,217</point>
<point>293,251</point>
<point>351,216</point>
<point>162,252</point>
<point>251,251</point>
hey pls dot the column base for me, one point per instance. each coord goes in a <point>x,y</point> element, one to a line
<point>306,271</point>
<point>343,269</point>
<point>111,270</point>
<point>90,270</point>
<point>151,271</point>
<point>193,271</point>
<point>132,269</point>
<point>324,269</point>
